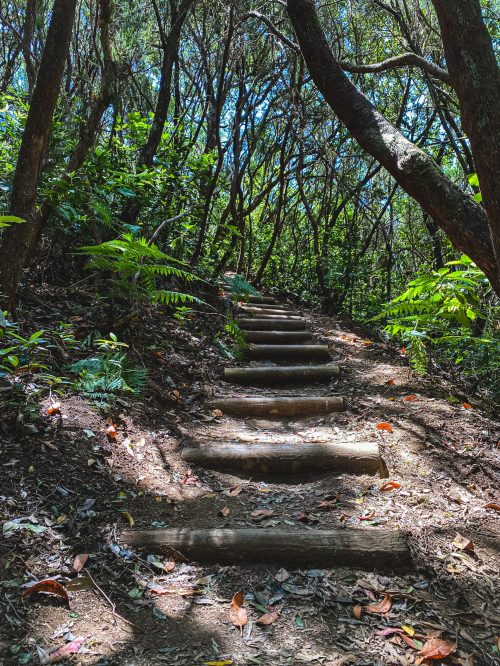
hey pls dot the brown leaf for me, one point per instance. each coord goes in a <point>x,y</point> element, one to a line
<point>492,505</point>
<point>390,485</point>
<point>410,398</point>
<point>325,505</point>
<point>80,561</point>
<point>169,565</point>
<point>111,431</point>
<point>357,610</point>
<point>467,405</point>
<point>437,648</point>
<point>384,426</point>
<point>55,408</point>
<point>381,608</point>
<point>235,491</point>
<point>65,651</point>
<point>261,514</point>
<point>80,584</point>
<point>237,613</point>
<point>269,618</point>
<point>463,543</point>
<point>224,512</point>
<point>48,587</point>
<point>391,382</point>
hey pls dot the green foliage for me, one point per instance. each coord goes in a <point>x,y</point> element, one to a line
<point>106,376</point>
<point>137,267</point>
<point>238,288</point>
<point>7,220</point>
<point>444,317</point>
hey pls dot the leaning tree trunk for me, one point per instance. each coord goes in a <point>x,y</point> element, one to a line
<point>475,75</point>
<point>17,241</point>
<point>462,219</point>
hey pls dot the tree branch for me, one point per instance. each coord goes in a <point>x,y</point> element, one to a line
<point>404,60</point>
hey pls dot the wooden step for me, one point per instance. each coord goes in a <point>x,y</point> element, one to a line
<point>278,407</point>
<point>289,352</point>
<point>265,306</point>
<point>277,317</point>
<point>278,337</point>
<point>268,458</point>
<point>275,375</point>
<point>266,312</point>
<point>270,300</point>
<point>269,324</point>
<point>366,548</point>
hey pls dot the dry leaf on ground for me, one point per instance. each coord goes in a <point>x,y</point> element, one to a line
<point>436,648</point>
<point>384,426</point>
<point>48,587</point>
<point>238,614</point>
<point>390,485</point>
<point>80,561</point>
<point>62,653</point>
<point>383,607</point>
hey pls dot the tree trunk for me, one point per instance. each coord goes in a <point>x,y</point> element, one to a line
<point>17,240</point>
<point>461,218</point>
<point>475,76</point>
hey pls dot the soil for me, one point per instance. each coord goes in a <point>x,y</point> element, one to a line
<point>83,488</point>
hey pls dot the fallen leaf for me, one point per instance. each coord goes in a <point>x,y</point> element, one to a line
<point>463,543</point>
<point>169,565</point>
<point>368,516</point>
<point>390,382</point>
<point>467,406</point>
<point>492,505</point>
<point>128,517</point>
<point>65,651</point>
<point>235,491</point>
<point>282,575</point>
<point>437,648</point>
<point>389,631</point>
<point>269,618</point>
<point>237,613</point>
<point>48,587</point>
<point>111,431</point>
<point>181,591</point>
<point>409,630</point>
<point>55,408</point>
<point>80,584</point>
<point>381,608</point>
<point>384,426</point>
<point>356,611</point>
<point>390,485</point>
<point>261,514</point>
<point>216,413</point>
<point>80,561</point>
<point>224,512</point>
<point>410,398</point>
<point>403,350</point>
<point>226,662</point>
<point>367,343</point>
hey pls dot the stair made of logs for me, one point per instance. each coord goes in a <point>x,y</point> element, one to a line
<point>278,334</point>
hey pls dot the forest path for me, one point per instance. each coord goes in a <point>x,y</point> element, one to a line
<point>442,459</point>
<point>283,397</point>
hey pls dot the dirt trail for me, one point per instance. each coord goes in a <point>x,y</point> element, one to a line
<point>444,457</point>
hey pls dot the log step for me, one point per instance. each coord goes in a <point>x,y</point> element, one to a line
<point>278,317</point>
<point>268,324</point>
<point>266,312</point>
<point>366,548</point>
<point>270,300</point>
<point>277,407</point>
<point>273,375</point>
<point>278,337</point>
<point>287,352</point>
<point>265,306</point>
<point>269,458</point>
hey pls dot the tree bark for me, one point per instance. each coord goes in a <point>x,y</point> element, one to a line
<point>277,375</point>
<point>461,218</point>
<point>289,352</point>
<point>369,549</point>
<point>17,240</point>
<point>276,407</point>
<point>475,76</point>
<point>285,459</point>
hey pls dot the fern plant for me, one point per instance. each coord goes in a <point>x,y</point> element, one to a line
<point>238,289</point>
<point>107,375</point>
<point>445,315</point>
<point>137,268</point>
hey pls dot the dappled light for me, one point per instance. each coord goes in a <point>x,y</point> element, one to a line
<point>249,333</point>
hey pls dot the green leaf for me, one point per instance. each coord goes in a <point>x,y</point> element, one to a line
<point>7,220</point>
<point>473,179</point>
